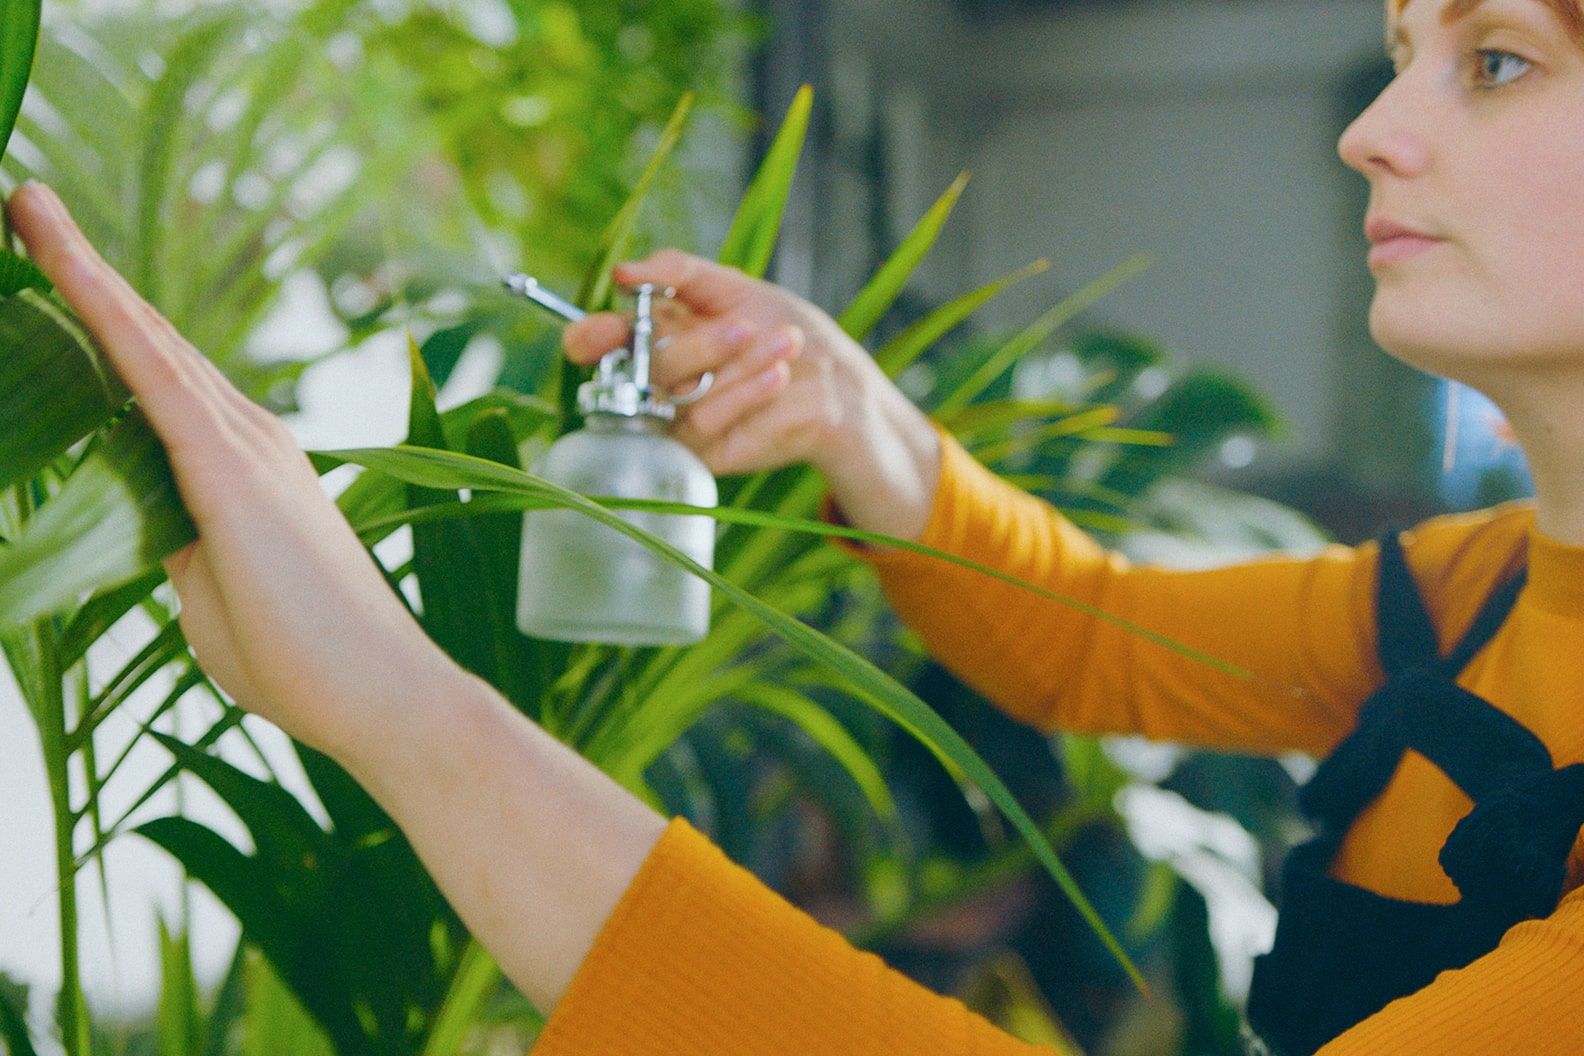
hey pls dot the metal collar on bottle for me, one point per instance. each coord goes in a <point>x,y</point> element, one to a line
<point>621,383</point>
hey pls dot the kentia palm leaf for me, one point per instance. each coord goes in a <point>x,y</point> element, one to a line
<point>158,165</point>
<point>346,916</point>
<point>55,387</point>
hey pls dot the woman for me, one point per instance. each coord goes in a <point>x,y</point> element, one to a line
<point>1440,674</point>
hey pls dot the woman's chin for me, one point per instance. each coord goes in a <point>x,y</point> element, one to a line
<point>1428,336</point>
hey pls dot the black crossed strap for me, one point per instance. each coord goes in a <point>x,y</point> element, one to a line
<point>1420,705</point>
<point>1514,844</point>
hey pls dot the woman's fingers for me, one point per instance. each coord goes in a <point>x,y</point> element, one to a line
<point>679,354</point>
<point>771,432</point>
<point>712,346</point>
<point>587,340</point>
<point>743,385</point>
<point>700,284</point>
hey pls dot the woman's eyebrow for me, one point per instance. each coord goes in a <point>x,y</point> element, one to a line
<point>1455,10</point>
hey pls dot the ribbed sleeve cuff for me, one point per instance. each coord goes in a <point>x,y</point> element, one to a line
<point>942,529</point>
<point>699,957</point>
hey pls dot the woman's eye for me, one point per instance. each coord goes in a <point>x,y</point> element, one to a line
<point>1489,63</point>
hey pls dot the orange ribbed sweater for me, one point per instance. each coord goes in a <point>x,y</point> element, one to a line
<point>699,957</point>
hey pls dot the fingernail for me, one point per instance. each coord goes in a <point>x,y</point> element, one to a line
<point>738,333</point>
<point>52,202</point>
<point>782,344</point>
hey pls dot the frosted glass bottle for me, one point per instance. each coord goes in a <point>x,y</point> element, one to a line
<point>582,581</point>
<point>586,582</point>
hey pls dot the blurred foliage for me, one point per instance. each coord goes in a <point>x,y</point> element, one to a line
<point>473,137</point>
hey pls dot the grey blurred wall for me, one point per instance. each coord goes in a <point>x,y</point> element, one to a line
<point>1202,131</point>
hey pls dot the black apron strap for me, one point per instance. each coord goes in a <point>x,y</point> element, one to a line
<point>1489,620</point>
<point>1479,746</point>
<point>1405,635</point>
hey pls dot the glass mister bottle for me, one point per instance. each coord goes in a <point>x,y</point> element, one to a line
<point>582,581</point>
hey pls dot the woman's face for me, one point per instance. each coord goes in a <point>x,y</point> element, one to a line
<point>1478,142</point>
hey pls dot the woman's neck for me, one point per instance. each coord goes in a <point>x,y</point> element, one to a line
<point>1547,417</point>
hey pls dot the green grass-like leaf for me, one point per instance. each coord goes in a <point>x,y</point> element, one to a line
<point>1036,333</point>
<point>617,240</point>
<point>446,469</point>
<point>881,291</point>
<point>750,241</point>
<point>19,26</point>
<point>895,355</point>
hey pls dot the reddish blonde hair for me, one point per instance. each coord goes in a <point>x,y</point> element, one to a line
<point>1571,12</point>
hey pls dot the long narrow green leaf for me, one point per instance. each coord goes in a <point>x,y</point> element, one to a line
<point>91,621</point>
<point>111,522</point>
<point>522,664</point>
<point>445,556</point>
<point>275,1023</point>
<point>13,1024</point>
<point>750,241</point>
<point>1000,414</point>
<point>229,1006</point>
<point>284,834</point>
<point>882,290</point>
<point>872,684</point>
<point>829,735</point>
<point>232,718</point>
<point>596,292</point>
<point>19,26</point>
<point>524,493</point>
<point>898,353</point>
<point>55,388</point>
<point>179,1017</point>
<point>1084,421</point>
<point>1039,330</point>
<point>474,983</point>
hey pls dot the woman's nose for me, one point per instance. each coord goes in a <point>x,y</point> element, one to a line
<point>1389,136</point>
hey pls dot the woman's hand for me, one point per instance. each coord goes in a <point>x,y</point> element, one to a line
<point>280,602</point>
<point>790,387</point>
<point>284,608</point>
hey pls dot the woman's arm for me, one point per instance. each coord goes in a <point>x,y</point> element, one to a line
<point>543,857</point>
<point>1300,628</point>
<point>283,607</point>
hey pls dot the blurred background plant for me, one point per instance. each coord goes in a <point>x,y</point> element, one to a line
<point>396,159</point>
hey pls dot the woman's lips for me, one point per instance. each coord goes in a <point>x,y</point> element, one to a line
<point>1399,248</point>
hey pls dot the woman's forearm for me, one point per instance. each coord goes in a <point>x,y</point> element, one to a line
<point>532,845</point>
<point>884,479</point>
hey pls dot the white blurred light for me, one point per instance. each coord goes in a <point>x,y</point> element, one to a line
<point>1237,451</point>
<point>1151,382</point>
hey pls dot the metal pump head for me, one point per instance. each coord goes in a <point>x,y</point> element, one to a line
<point>628,392</point>
<point>614,390</point>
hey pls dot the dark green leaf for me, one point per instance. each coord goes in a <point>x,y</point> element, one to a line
<point>55,388</point>
<point>111,522</point>
<point>19,26</point>
<point>445,556</point>
<point>18,274</point>
<point>181,1026</point>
